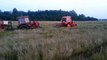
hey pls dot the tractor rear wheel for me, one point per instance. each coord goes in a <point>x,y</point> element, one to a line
<point>23,27</point>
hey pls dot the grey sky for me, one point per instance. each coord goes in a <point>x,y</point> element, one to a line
<point>95,8</point>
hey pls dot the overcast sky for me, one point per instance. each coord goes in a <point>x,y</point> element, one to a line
<point>94,8</point>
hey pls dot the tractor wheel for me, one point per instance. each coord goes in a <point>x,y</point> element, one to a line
<point>23,27</point>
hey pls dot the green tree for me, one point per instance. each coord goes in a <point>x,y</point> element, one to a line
<point>15,13</point>
<point>73,14</point>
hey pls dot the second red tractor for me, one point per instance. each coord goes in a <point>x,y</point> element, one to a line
<point>66,21</point>
<point>24,23</point>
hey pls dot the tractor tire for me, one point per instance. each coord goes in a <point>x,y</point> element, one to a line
<point>23,27</point>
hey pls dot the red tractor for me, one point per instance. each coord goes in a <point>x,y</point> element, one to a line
<point>24,23</point>
<point>66,21</point>
<point>5,25</point>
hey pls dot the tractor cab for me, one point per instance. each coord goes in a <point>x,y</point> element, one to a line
<point>66,19</point>
<point>23,20</point>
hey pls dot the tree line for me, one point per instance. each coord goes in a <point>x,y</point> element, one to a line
<point>47,15</point>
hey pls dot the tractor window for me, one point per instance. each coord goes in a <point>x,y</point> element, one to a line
<point>26,20</point>
<point>5,22</point>
<point>63,19</point>
<point>21,21</point>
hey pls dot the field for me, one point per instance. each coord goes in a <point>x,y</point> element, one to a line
<point>87,41</point>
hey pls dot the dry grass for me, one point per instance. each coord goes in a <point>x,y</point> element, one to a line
<point>88,41</point>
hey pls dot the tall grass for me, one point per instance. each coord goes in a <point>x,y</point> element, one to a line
<point>86,42</point>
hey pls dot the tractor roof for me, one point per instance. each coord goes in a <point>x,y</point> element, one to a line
<point>23,17</point>
<point>68,18</point>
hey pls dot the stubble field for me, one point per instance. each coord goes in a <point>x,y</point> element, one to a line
<point>87,41</point>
